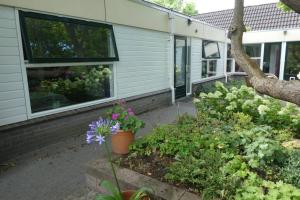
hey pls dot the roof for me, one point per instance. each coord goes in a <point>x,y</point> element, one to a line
<point>259,17</point>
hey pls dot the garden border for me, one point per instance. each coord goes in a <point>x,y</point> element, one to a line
<point>98,170</point>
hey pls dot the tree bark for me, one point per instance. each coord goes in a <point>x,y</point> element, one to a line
<point>284,90</point>
<point>293,4</point>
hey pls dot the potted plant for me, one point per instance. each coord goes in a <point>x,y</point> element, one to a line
<point>129,124</point>
<point>98,132</point>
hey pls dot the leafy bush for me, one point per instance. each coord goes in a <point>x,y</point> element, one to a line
<point>290,173</point>
<point>263,110</point>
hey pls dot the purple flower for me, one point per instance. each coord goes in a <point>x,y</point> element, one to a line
<point>100,139</point>
<point>115,128</point>
<point>114,116</point>
<point>99,129</point>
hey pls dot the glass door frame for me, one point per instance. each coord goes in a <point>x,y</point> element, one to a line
<point>180,91</point>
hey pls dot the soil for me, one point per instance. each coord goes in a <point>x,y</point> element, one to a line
<point>154,166</point>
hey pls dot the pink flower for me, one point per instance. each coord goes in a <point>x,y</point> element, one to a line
<point>114,116</point>
<point>130,111</point>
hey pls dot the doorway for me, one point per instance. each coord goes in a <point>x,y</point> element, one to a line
<point>180,64</point>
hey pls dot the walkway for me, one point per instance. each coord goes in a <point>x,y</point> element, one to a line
<point>58,170</point>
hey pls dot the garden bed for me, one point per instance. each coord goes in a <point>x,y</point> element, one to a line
<point>233,149</point>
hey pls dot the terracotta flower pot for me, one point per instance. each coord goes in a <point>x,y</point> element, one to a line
<point>120,142</point>
<point>127,194</point>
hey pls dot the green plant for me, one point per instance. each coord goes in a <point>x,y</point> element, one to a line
<point>116,195</point>
<point>125,117</point>
<point>290,173</point>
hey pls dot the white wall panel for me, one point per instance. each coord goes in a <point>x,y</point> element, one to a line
<point>196,56</point>
<point>12,100</point>
<point>143,65</point>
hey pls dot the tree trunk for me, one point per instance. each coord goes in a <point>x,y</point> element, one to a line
<point>293,4</point>
<point>284,90</point>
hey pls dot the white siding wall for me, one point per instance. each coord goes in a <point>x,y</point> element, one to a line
<point>12,100</point>
<point>143,65</point>
<point>196,56</point>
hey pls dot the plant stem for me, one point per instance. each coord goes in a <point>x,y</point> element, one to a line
<point>112,167</point>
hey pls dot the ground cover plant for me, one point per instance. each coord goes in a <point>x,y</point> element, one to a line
<point>232,149</point>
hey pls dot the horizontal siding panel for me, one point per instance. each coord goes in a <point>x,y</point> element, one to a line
<point>9,60</point>
<point>7,95</point>
<point>6,78</point>
<point>5,87</point>
<point>14,119</point>
<point>196,57</point>
<point>8,42</point>
<point>7,23</point>
<point>12,94</point>
<point>7,13</point>
<point>12,112</point>
<point>8,69</point>
<point>11,103</point>
<point>143,65</point>
<point>9,51</point>
<point>8,33</point>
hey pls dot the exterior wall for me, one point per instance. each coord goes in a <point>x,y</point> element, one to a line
<point>143,65</point>
<point>124,12</point>
<point>196,57</point>
<point>94,9</point>
<point>36,133</point>
<point>272,36</point>
<point>12,100</point>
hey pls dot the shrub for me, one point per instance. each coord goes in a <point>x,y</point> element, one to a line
<point>290,173</point>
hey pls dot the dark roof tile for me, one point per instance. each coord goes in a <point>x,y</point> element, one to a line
<point>260,17</point>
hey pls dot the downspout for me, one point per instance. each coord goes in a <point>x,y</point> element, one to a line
<point>225,57</point>
<point>171,54</point>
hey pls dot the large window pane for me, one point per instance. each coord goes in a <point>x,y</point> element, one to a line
<point>292,66</point>
<point>55,39</point>
<point>55,87</point>
<point>272,55</point>
<point>229,65</point>
<point>204,69</point>
<point>210,49</point>
<point>253,50</point>
<point>212,67</point>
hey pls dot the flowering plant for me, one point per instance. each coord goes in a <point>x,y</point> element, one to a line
<point>125,117</point>
<point>98,131</point>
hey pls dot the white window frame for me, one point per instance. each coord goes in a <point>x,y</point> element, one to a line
<point>25,65</point>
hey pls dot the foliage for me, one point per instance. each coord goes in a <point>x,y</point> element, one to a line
<point>116,195</point>
<point>228,153</point>
<point>79,84</point>
<point>124,116</point>
<point>188,8</point>
<point>290,173</point>
<point>224,102</point>
<point>283,7</point>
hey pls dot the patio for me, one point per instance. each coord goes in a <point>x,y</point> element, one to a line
<point>58,171</point>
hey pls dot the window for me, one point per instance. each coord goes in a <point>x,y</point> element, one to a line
<point>56,87</point>
<point>49,39</point>
<point>230,60</point>
<point>72,53</point>
<point>272,55</point>
<point>292,65</point>
<point>254,52</point>
<point>210,49</point>
<point>210,58</point>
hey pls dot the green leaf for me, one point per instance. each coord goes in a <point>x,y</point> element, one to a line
<point>111,188</point>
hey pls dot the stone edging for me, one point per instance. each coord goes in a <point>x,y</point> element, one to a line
<point>129,180</point>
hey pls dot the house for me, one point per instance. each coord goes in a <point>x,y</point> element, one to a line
<point>272,39</point>
<point>62,63</point>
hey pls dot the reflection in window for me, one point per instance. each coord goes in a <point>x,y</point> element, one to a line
<point>253,50</point>
<point>55,39</point>
<point>272,55</point>
<point>210,49</point>
<point>292,66</point>
<point>209,68</point>
<point>56,87</point>
<point>230,60</point>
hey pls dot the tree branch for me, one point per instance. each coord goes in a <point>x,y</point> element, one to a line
<point>293,4</point>
<point>284,90</point>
